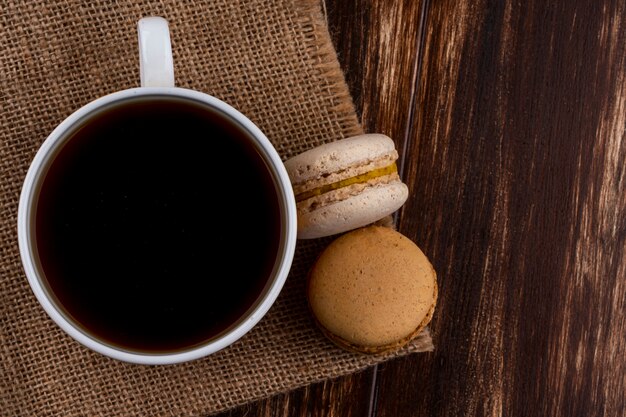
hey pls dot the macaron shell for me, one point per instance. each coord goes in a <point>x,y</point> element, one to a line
<point>336,156</point>
<point>374,350</point>
<point>356,211</point>
<point>372,290</point>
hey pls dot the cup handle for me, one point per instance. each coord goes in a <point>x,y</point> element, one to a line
<point>156,65</point>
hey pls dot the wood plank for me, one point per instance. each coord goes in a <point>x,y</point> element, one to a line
<point>517,171</point>
<point>378,43</point>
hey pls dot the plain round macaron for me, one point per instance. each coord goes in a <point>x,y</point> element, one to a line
<point>344,185</point>
<point>372,290</point>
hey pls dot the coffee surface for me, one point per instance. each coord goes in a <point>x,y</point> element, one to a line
<point>157,225</point>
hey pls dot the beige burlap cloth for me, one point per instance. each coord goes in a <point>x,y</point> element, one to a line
<point>274,61</point>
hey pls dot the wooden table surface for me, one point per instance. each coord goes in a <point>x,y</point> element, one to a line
<point>510,118</point>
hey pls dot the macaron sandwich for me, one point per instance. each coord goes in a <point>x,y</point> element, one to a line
<point>372,290</point>
<point>343,185</point>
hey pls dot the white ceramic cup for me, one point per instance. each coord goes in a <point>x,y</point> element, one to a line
<point>157,79</point>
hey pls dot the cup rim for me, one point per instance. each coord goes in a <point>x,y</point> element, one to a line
<point>245,324</point>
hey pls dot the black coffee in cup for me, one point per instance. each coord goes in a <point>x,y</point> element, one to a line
<point>157,224</point>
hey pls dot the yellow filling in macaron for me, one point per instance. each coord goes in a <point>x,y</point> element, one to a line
<point>380,172</point>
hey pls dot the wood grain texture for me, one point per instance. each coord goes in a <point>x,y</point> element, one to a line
<point>516,167</point>
<point>378,46</point>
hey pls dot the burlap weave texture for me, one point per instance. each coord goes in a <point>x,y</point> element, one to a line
<point>274,61</point>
